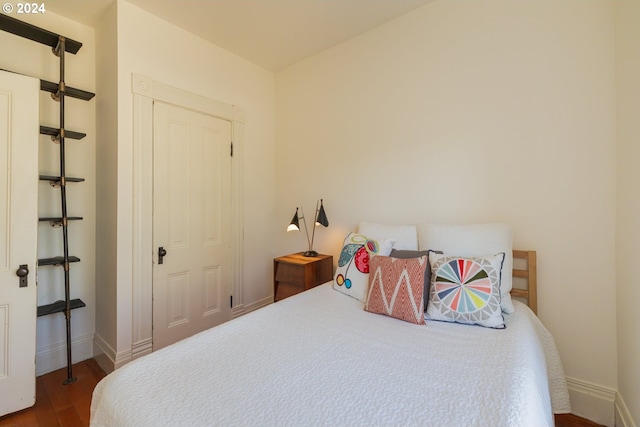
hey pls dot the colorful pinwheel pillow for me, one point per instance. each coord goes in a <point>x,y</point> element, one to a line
<point>466,290</point>
<point>352,274</point>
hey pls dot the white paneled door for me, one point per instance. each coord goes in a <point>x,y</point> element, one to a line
<point>191,223</point>
<point>19,130</point>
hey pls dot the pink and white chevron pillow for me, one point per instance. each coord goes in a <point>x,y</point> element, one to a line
<point>396,288</point>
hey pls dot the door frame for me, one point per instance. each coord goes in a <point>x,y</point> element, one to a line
<point>145,92</point>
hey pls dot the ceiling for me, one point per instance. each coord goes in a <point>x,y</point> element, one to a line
<point>270,33</point>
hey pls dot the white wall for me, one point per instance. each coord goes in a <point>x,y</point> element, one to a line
<point>170,55</point>
<point>174,56</point>
<point>628,220</point>
<point>107,181</point>
<point>468,111</point>
<point>31,58</point>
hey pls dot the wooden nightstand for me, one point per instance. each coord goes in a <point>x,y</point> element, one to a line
<point>296,273</point>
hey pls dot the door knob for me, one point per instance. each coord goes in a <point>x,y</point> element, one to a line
<point>161,253</point>
<point>23,273</point>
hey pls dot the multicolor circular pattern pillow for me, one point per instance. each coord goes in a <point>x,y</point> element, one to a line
<point>466,290</point>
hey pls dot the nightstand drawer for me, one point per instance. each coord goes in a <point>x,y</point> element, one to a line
<point>286,290</point>
<point>291,273</point>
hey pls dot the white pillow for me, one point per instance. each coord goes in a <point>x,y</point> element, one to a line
<point>405,236</point>
<point>474,240</point>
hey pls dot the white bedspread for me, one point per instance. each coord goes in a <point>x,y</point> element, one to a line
<point>320,359</point>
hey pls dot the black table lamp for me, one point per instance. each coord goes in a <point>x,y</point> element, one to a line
<point>320,219</point>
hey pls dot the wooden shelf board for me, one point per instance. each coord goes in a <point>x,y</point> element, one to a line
<point>72,92</point>
<point>54,178</point>
<point>46,130</point>
<point>57,260</point>
<point>37,34</point>
<point>59,307</point>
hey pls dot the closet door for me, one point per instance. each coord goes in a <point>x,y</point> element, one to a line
<point>191,223</point>
<point>19,131</point>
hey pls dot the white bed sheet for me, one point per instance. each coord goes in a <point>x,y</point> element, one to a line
<point>319,359</point>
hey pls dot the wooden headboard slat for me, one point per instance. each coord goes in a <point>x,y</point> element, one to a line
<point>529,273</point>
<point>520,253</point>
<point>520,293</point>
<point>521,273</point>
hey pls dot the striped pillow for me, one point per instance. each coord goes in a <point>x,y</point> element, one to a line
<point>396,288</point>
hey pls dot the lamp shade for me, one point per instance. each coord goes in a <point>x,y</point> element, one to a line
<point>321,217</point>
<point>294,225</point>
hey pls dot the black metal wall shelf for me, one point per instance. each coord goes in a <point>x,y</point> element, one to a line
<point>59,221</point>
<point>59,91</point>
<point>59,307</point>
<point>68,90</point>
<point>56,261</point>
<point>55,219</point>
<point>52,88</point>
<point>55,133</point>
<point>55,180</point>
<point>37,34</point>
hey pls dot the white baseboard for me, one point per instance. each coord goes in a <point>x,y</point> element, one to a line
<point>54,357</point>
<point>104,354</point>
<point>107,357</point>
<point>244,309</point>
<point>141,348</point>
<point>592,401</point>
<point>623,416</point>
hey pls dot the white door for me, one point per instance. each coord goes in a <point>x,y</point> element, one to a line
<point>191,223</point>
<point>18,239</point>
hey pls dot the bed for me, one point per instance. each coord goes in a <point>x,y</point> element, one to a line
<point>318,358</point>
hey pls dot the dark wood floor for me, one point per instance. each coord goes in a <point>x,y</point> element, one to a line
<point>570,420</point>
<point>60,405</point>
